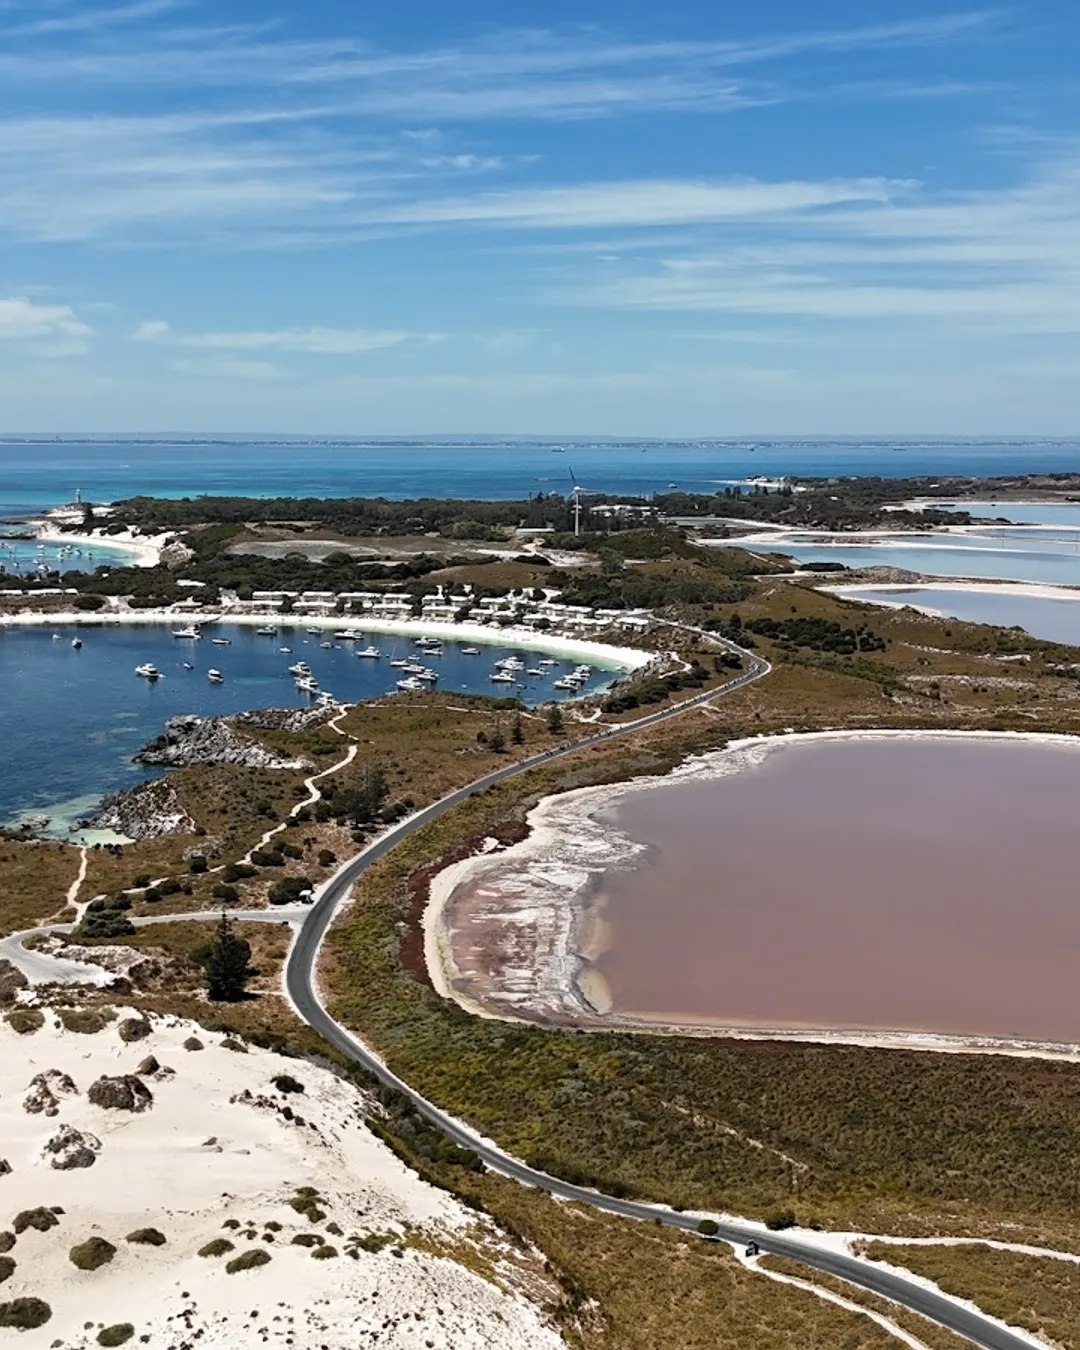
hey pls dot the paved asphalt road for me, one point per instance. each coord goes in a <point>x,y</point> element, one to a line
<point>299,980</point>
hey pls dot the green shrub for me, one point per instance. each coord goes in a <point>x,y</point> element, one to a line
<point>288,890</point>
<point>335,1229</point>
<point>273,1226</point>
<point>286,1083</point>
<point>197,864</point>
<point>292,851</point>
<point>784,1218</point>
<point>7,1241</point>
<point>40,1219</point>
<point>92,1254</point>
<point>327,857</point>
<point>217,1247</point>
<point>708,1227</point>
<point>268,858</point>
<point>229,894</point>
<point>116,1335</point>
<point>231,1223</point>
<point>141,882</point>
<point>134,1029</point>
<point>25,1021</point>
<point>86,1021</point>
<point>170,886</point>
<point>151,895</point>
<point>308,1240</point>
<point>7,1268</point>
<point>147,1237</point>
<point>104,925</point>
<point>324,1253</point>
<point>248,1260</point>
<point>120,901</point>
<point>24,1314</point>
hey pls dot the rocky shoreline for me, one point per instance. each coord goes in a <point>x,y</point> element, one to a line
<point>189,740</point>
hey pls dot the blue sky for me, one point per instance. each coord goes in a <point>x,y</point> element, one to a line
<point>695,219</point>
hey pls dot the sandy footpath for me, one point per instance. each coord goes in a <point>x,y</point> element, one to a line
<point>511,935</point>
<point>218,1153</point>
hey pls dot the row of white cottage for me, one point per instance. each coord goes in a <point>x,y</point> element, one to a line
<point>518,607</point>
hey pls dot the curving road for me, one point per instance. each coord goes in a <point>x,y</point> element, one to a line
<point>301,989</point>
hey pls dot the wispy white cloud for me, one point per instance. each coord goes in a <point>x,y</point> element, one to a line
<point>227,367</point>
<point>21,318</point>
<point>1006,258</point>
<point>93,20</point>
<point>636,203</point>
<point>314,341</point>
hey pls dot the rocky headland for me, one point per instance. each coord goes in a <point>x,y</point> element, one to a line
<point>189,740</point>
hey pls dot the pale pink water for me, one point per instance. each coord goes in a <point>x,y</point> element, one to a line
<point>916,885</point>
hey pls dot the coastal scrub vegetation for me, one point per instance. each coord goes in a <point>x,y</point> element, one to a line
<point>24,1314</point>
<point>227,963</point>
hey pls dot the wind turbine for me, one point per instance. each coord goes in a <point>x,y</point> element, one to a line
<point>576,498</point>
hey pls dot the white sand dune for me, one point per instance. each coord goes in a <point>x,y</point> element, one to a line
<point>215,1145</point>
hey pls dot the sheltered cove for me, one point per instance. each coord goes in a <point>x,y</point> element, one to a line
<point>534,933</point>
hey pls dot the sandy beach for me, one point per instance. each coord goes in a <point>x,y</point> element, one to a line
<point>534,899</point>
<point>598,653</point>
<point>145,550</point>
<point>217,1152</point>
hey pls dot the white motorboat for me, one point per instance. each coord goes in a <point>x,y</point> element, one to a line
<point>470,651</point>
<point>413,668</point>
<point>429,676</point>
<point>221,642</point>
<point>285,651</point>
<point>400,664</point>
<point>501,677</point>
<point>56,637</point>
<point>564,684</point>
<point>372,653</point>
<point>510,663</point>
<point>76,643</point>
<point>190,632</point>
<point>307,684</point>
<point>266,631</point>
<point>536,671</point>
<point>188,665</point>
<point>427,642</point>
<point>327,646</point>
<point>312,632</point>
<point>148,671</point>
<point>215,676</point>
<point>299,668</point>
<point>410,685</point>
<point>548,661</point>
<point>349,635</point>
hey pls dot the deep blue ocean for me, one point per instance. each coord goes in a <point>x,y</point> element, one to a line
<point>34,475</point>
<point>70,720</point>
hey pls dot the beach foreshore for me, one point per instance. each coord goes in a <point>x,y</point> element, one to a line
<point>537,894</point>
<point>145,550</point>
<point>1031,590</point>
<point>603,654</point>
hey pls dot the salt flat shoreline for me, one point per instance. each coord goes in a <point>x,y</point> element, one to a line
<point>610,657</point>
<point>575,994</point>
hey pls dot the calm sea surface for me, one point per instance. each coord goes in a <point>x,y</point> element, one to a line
<point>910,885</point>
<point>1056,620</point>
<point>34,476</point>
<point>71,720</point>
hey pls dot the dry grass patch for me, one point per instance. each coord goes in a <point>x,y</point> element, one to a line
<point>1039,1294</point>
<point>34,879</point>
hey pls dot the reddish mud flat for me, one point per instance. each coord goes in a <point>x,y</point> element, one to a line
<point>910,885</point>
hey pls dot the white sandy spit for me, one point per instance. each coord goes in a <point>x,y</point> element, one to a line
<point>906,593</point>
<point>538,890</point>
<point>602,653</point>
<point>215,1145</point>
<point>145,549</point>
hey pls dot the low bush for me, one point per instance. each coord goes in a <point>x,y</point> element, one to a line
<point>708,1227</point>
<point>248,1260</point>
<point>25,1021</point>
<point>86,1021</point>
<point>24,1314</point>
<point>784,1218</point>
<point>217,1247</point>
<point>170,886</point>
<point>147,1237</point>
<point>197,864</point>
<point>308,1240</point>
<point>92,1254</point>
<point>7,1268</point>
<point>116,1335</point>
<point>151,895</point>
<point>286,1083</point>
<point>223,891</point>
<point>268,858</point>
<point>288,890</point>
<point>327,857</point>
<point>134,1029</point>
<point>324,1252</point>
<point>7,1241</point>
<point>40,1219</point>
<point>104,924</point>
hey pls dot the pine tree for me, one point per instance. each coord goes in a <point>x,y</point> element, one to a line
<point>517,731</point>
<point>555,720</point>
<point>227,964</point>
